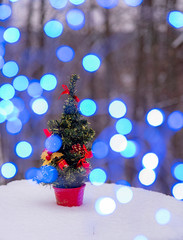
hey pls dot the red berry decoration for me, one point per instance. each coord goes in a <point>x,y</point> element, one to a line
<point>48,157</point>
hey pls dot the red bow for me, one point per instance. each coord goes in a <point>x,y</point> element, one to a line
<point>82,162</point>
<point>63,164</point>
<point>88,154</point>
<point>66,91</point>
<point>47,133</point>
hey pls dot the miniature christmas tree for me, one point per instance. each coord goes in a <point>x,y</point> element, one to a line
<point>68,144</point>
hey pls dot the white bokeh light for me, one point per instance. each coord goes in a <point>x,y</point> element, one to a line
<point>40,106</point>
<point>177,191</point>
<point>105,206</point>
<point>118,143</point>
<point>163,216</point>
<point>155,117</point>
<point>150,160</point>
<point>124,194</point>
<point>117,109</point>
<point>147,176</point>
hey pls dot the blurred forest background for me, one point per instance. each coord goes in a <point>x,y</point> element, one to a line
<point>141,64</point>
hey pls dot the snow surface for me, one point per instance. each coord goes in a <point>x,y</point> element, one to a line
<point>29,212</point>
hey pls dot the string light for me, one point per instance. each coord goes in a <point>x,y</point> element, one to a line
<point>48,82</point>
<point>11,35</point>
<point>39,106</point>
<point>21,83</point>
<point>10,69</point>
<point>58,4</point>
<point>8,170</point>
<point>5,11</point>
<point>53,28</point>
<point>155,117</point>
<point>105,206</point>
<point>88,107</point>
<point>97,176</point>
<point>65,53</point>
<point>23,149</point>
<point>91,63</point>
<point>117,109</point>
<point>75,19</point>
<point>133,3</point>
<point>108,3</point>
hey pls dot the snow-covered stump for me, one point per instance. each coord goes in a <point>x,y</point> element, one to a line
<point>29,211</point>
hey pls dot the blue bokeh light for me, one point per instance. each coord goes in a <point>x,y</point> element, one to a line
<point>34,89</point>
<point>77,2</point>
<point>1,62</point>
<point>13,115</point>
<point>147,177</point>
<point>108,3</point>
<point>150,160</point>
<point>24,116</point>
<point>175,120</point>
<point>100,149</point>
<point>124,126</point>
<point>21,83</point>
<point>88,107</point>
<point>117,109</point>
<point>105,206</point>
<point>53,143</point>
<point>14,126</point>
<point>97,176</point>
<point>177,191</point>
<point>8,170</point>
<point>133,3</point>
<point>178,171</point>
<point>2,115</point>
<point>58,4</point>
<point>7,106</point>
<point>140,237</point>
<point>33,172</point>
<point>18,103</point>
<point>13,1</point>
<point>39,106</point>
<point>23,149</point>
<point>118,143</point>
<point>2,29</point>
<point>5,11</point>
<point>163,216</point>
<point>48,82</point>
<point>7,91</point>
<point>10,69</point>
<point>75,19</point>
<point>11,35</point>
<point>65,53</point>
<point>130,150</point>
<point>53,28</point>
<point>2,50</point>
<point>122,182</point>
<point>124,194</point>
<point>155,117</point>
<point>175,19</point>
<point>91,62</point>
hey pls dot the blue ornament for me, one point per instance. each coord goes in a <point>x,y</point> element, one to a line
<point>53,143</point>
<point>49,174</point>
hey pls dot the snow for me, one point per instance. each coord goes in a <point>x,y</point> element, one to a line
<point>29,212</point>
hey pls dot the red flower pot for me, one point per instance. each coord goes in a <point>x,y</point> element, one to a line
<point>69,197</point>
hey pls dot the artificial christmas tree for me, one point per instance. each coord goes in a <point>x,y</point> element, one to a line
<point>65,161</point>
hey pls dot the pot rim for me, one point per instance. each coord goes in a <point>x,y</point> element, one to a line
<point>82,186</point>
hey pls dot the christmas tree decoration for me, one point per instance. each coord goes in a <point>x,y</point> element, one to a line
<point>68,150</point>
